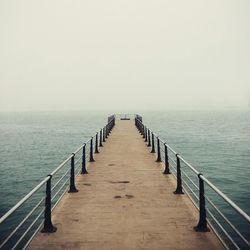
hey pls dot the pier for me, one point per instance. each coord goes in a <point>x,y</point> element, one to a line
<point>125,203</point>
<point>125,188</point>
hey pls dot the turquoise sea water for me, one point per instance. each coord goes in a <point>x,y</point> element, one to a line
<point>34,144</point>
<point>215,143</point>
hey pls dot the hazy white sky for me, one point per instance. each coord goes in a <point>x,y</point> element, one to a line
<point>124,54</point>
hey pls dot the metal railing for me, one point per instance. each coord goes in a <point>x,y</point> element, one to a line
<point>128,116</point>
<point>19,225</point>
<point>229,222</point>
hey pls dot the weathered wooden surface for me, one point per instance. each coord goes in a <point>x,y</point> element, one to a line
<point>125,203</point>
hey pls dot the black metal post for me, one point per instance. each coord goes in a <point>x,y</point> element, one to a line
<point>149,138</point>
<point>158,150</point>
<point>103,135</point>
<point>109,126</point>
<point>91,155</point>
<point>72,187</point>
<point>84,170</point>
<point>48,226</point>
<point>137,124</point>
<point>179,181</point>
<point>106,131</point>
<point>140,128</point>
<point>202,224</point>
<point>166,170</point>
<point>100,139</point>
<point>113,123</point>
<point>143,131</point>
<point>153,143</point>
<point>146,134</point>
<point>96,144</point>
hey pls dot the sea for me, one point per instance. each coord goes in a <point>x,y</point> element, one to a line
<point>216,143</point>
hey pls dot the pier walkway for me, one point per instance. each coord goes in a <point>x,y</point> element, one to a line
<point>125,202</point>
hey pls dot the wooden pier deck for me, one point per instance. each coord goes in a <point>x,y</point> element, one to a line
<point>125,202</point>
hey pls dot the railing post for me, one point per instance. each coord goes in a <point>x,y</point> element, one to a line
<point>91,156</point>
<point>143,131</point>
<point>96,143</point>
<point>72,187</point>
<point>153,143</point>
<point>179,181</point>
<point>100,139</point>
<point>146,134</point>
<point>110,126</point>
<point>106,131</point>
<point>140,127</point>
<point>84,170</point>
<point>48,226</point>
<point>202,224</point>
<point>149,138</point>
<point>103,134</point>
<point>158,150</point>
<point>166,170</point>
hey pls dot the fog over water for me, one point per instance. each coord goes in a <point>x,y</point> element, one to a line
<point>124,55</point>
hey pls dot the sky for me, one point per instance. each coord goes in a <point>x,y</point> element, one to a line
<point>124,55</point>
